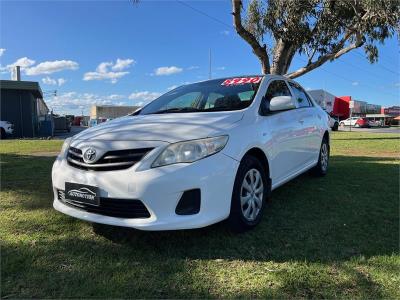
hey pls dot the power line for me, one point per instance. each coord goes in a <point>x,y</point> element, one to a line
<point>204,14</point>
<point>350,80</point>
<point>333,73</point>
<point>381,66</point>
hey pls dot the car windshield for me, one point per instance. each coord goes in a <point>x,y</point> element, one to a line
<point>212,95</point>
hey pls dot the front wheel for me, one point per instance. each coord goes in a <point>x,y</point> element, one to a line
<point>335,126</point>
<point>250,192</point>
<point>323,161</point>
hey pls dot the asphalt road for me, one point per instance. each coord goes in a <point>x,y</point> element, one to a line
<point>395,129</point>
<point>74,130</point>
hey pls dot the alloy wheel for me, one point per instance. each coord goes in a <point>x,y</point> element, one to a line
<point>251,194</point>
<point>324,157</point>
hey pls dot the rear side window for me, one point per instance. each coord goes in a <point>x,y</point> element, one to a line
<point>300,95</point>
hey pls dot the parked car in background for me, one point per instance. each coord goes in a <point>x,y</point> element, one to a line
<point>355,122</point>
<point>6,128</point>
<point>376,123</point>
<point>197,155</point>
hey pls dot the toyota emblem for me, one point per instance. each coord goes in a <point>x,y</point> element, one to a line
<point>89,156</point>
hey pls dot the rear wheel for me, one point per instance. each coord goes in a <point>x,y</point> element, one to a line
<point>323,161</point>
<point>249,196</point>
<point>341,124</point>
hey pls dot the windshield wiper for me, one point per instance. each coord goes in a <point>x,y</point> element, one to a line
<point>177,110</point>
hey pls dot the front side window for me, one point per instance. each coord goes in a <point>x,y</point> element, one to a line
<point>300,95</point>
<point>277,88</point>
<point>214,95</point>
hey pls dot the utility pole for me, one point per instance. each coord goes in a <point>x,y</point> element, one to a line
<point>209,64</point>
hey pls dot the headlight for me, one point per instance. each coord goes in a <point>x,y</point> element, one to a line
<point>190,151</point>
<point>64,148</point>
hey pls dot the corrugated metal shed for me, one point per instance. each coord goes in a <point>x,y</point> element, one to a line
<point>19,105</point>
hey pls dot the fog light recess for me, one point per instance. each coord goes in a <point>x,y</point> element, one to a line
<point>189,204</point>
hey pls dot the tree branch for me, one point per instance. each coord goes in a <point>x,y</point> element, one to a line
<point>336,53</point>
<point>258,50</point>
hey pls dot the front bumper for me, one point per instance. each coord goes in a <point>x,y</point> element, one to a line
<point>159,189</point>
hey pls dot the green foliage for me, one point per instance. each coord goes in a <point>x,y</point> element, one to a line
<point>321,27</point>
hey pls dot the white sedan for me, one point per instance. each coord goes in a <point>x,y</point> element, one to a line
<point>197,155</point>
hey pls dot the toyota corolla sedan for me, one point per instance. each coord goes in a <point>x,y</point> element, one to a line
<point>197,155</point>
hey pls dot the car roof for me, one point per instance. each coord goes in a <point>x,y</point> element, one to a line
<point>216,80</point>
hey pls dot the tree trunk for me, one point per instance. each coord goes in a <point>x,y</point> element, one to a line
<point>283,55</point>
<point>258,50</point>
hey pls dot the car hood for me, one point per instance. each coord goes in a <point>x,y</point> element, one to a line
<point>170,128</point>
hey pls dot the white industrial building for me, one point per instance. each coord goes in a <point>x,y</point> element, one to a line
<point>324,99</point>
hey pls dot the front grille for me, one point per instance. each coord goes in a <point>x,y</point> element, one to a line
<point>110,161</point>
<point>111,207</point>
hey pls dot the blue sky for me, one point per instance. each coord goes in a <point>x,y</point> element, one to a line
<point>114,52</point>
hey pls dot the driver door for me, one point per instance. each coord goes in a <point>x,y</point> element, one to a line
<point>284,130</point>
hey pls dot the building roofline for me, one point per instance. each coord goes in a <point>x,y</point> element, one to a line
<point>32,86</point>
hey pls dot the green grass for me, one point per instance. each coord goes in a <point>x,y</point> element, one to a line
<point>29,146</point>
<point>331,237</point>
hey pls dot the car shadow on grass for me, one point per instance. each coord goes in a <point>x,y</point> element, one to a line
<point>350,212</point>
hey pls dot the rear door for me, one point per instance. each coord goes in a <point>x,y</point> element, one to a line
<point>310,141</point>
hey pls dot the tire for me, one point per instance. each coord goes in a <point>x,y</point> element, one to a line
<point>246,216</point>
<point>321,169</point>
<point>2,134</point>
<point>341,124</point>
<point>335,126</point>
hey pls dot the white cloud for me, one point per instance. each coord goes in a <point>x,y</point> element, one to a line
<point>49,67</point>
<point>122,64</point>
<point>193,68</point>
<point>61,81</point>
<point>50,81</point>
<point>23,62</point>
<point>112,76</point>
<point>221,68</point>
<point>225,32</point>
<point>164,71</point>
<point>2,50</point>
<point>116,97</point>
<point>103,67</point>
<point>103,71</point>
<point>144,97</point>
<point>397,84</point>
<point>73,102</point>
<point>355,83</point>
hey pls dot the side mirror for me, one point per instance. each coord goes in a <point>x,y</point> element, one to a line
<point>281,103</point>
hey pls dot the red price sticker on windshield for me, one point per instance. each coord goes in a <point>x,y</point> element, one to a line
<point>242,80</point>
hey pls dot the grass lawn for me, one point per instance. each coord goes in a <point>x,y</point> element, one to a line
<point>331,237</point>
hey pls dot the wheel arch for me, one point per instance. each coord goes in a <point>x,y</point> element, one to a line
<point>326,136</point>
<point>260,155</point>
